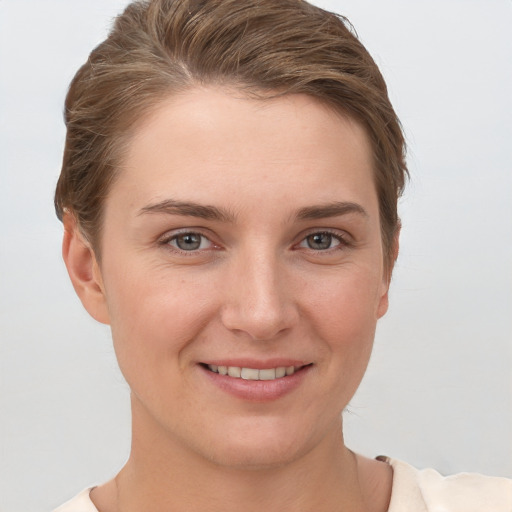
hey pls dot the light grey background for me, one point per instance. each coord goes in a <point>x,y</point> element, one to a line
<point>438,391</point>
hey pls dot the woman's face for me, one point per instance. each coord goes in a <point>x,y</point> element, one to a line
<point>243,235</point>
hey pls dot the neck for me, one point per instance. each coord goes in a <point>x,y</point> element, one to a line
<point>161,474</point>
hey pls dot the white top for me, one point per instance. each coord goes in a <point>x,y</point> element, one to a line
<point>413,491</point>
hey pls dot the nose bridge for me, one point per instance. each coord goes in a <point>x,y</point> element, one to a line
<point>257,301</point>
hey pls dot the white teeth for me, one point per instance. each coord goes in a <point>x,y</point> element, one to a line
<point>234,371</point>
<point>250,374</point>
<point>280,372</point>
<point>269,374</point>
<point>253,373</point>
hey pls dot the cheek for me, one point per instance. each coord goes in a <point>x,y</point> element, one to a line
<point>344,313</point>
<point>154,316</point>
<point>347,303</point>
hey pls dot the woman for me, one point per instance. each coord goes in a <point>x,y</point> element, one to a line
<point>229,197</point>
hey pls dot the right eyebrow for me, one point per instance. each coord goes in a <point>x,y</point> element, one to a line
<point>334,209</point>
<point>188,209</point>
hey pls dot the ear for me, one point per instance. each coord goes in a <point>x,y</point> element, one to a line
<point>84,270</point>
<point>384,299</point>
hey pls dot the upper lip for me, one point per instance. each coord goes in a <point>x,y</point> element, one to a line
<point>258,364</point>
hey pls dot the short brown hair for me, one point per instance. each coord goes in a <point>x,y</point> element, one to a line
<point>262,47</point>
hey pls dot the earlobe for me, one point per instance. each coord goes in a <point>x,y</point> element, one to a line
<point>384,299</point>
<point>383,303</point>
<point>83,270</point>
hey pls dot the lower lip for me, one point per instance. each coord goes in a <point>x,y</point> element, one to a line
<point>257,390</point>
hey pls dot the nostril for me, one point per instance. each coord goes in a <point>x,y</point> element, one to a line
<point>259,325</point>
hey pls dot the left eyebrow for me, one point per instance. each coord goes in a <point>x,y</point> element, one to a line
<point>188,209</point>
<point>335,209</point>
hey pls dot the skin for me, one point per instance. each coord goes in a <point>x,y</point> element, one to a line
<point>257,287</point>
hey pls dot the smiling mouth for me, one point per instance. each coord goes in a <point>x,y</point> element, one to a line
<point>238,372</point>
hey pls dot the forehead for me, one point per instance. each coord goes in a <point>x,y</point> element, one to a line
<point>211,141</point>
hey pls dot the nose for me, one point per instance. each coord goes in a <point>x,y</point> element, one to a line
<point>259,300</point>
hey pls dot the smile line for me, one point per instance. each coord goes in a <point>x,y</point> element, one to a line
<point>238,372</point>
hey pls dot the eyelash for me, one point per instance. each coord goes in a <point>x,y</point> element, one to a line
<point>336,236</point>
<point>168,239</point>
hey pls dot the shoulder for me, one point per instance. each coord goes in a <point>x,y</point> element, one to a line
<point>80,503</point>
<point>429,491</point>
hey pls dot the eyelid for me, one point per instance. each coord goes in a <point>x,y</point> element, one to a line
<point>339,233</point>
<point>175,233</point>
<point>345,240</point>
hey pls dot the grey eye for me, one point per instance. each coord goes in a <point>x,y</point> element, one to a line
<point>320,241</point>
<point>189,241</point>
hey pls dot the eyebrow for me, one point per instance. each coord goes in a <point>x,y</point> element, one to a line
<point>335,209</point>
<point>191,209</point>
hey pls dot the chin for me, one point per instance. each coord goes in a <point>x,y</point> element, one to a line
<point>252,458</point>
<point>262,446</point>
